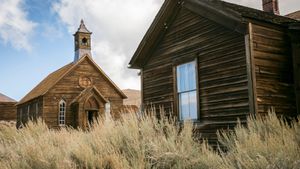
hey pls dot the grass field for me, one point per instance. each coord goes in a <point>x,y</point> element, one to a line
<point>148,143</point>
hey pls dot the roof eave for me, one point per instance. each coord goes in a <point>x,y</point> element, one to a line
<point>227,18</point>
<point>219,14</point>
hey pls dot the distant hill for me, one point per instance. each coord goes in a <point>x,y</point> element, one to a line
<point>4,98</point>
<point>134,97</point>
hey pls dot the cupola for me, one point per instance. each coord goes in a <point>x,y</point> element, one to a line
<point>82,40</point>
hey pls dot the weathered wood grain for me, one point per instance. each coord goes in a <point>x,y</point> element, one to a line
<point>273,69</point>
<point>222,72</point>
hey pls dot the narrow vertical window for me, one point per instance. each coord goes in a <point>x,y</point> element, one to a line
<point>28,112</point>
<point>187,91</point>
<point>62,113</point>
<point>36,112</point>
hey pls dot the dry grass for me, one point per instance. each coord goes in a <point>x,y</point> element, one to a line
<point>149,143</point>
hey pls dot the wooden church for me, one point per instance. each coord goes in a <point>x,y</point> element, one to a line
<point>74,95</point>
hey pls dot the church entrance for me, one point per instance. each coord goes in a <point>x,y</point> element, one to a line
<point>93,111</point>
<point>88,109</point>
<point>92,116</point>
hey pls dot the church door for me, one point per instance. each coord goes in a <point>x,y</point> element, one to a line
<point>93,110</point>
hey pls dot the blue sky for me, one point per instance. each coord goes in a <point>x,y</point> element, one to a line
<point>20,68</point>
<point>36,37</point>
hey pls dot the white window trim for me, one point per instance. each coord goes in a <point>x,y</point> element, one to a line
<point>64,113</point>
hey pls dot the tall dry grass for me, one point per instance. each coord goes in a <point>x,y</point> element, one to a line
<point>149,143</point>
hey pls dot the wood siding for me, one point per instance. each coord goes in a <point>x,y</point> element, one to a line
<point>273,69</point>
<point>68,89</point>
<point>8,111</point>
<point>222,71</point>
<point>34,112</point>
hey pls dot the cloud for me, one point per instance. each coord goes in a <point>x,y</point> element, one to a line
<point>15,28</point>
<point>117,25</point>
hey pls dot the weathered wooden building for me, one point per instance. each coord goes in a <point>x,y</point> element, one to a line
<point>7,108</point>
<point>214,62</point>
<point>75,94</point>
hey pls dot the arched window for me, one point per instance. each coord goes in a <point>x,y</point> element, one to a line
<point>62,113</point>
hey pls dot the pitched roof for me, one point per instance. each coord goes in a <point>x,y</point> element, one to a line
<point>44,86</point>
<point>294,15</point>
<point>82,28</point>
<point>86,92</point>
<point>134,97</point>
<point>230,15</point>
<point>4,98</point>
<point>257,14</point>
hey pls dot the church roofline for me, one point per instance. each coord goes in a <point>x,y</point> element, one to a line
<point>41,90</point>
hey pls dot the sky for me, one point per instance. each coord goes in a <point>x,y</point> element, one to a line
<point>36,37</point>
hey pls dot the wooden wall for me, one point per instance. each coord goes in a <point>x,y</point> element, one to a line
<point>35,111</point>
<point>68,89</point>
<point>222,71</point>
<point>271,48</point>
<point>8,111</point>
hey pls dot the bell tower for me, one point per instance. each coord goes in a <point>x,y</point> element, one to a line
<point>82,40</point>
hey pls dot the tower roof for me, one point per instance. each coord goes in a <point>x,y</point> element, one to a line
<point>82,28</point>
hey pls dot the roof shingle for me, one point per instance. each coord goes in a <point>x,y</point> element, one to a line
<point>257,14</point>
<point>4,98</point>
<point>294,15</point>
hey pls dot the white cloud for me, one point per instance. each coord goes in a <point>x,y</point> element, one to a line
<point>117,25</point>
<point>15,28</point>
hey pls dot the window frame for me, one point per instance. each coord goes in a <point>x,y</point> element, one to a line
<point>177,63</point>
<point>62,101</point>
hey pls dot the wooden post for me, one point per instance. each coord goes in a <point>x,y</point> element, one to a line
<point>295,43</point>
<point>251,72</point>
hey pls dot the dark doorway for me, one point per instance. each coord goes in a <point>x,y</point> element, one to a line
<point>91,117</point>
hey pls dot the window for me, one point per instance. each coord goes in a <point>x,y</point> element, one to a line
<point>36,111</point>
<point>187,91</point>
<point>28,111</point>
<point>84,42</point>
<point>62,113</point>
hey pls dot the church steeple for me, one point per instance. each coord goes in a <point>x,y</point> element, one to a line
<point>82,40</point>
